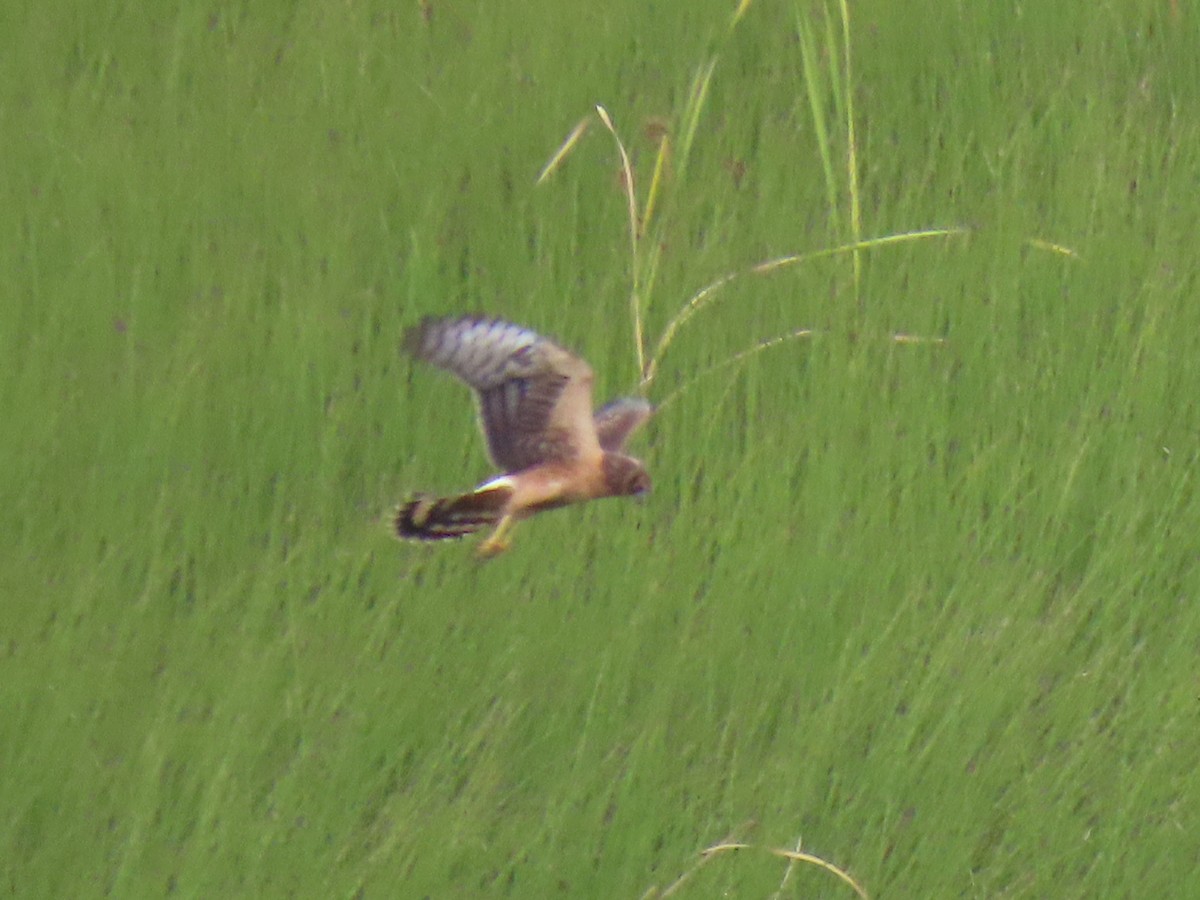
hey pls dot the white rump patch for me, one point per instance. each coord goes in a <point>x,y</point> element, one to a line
<point>504,481</point>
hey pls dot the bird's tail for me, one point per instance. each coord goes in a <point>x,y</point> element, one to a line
<point>426,518</point>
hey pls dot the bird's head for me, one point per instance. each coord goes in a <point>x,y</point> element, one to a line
<point>625,476</point>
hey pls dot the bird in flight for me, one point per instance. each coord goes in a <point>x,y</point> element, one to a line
<point>535,407</point>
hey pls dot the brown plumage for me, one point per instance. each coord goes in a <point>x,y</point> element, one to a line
<point>535,406</point>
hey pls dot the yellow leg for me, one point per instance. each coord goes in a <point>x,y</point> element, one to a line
<point>497,542</point>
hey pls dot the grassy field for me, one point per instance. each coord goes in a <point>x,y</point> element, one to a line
<point>925,609</point>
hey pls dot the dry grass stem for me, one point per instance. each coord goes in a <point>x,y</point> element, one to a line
<point>1052,247</point>
<point>820,863</point>
<point>725,847</point>
<point>901,337</point>
<point>566,147</point>
<point>705,856</point>
<point>635,303</point>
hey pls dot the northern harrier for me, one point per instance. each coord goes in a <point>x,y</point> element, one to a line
<point>535,406</point>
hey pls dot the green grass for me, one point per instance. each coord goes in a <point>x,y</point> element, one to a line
<point>928,609</point>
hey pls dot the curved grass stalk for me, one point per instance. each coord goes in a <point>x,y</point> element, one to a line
<point>799,856</point>
<point>793,857</point>
<point>705,856</point>
<point>705,296</point>
<point>734,360</point>
<point>899,337</point>
<point>635,302</point>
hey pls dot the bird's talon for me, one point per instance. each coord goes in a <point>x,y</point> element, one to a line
<point>490,548</point>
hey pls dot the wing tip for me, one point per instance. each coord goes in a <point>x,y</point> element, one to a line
<point>421,340</point>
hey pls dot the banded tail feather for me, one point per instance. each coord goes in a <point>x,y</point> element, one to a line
<point>427,518</point>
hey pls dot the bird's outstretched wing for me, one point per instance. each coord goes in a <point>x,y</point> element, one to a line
<point>617,420</point>
<point>535,397</point>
